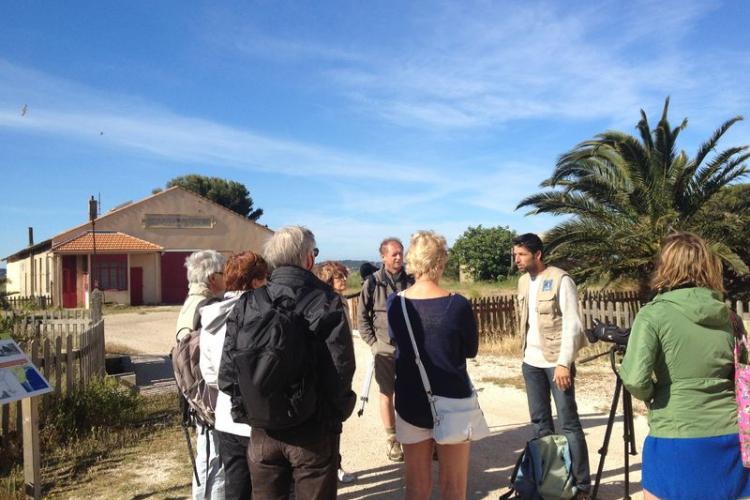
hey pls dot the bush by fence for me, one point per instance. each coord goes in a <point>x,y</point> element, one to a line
<point>66,345</point>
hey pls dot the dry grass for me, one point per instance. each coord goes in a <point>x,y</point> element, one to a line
<point>117,348</point>
<point>146,460</point>
<point>481,289</point>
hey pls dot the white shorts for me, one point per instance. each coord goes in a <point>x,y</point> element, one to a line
<point>410,434</point>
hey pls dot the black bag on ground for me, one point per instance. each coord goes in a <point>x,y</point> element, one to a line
<point>274,360</point>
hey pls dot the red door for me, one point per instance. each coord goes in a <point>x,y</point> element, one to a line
<point>70,297</point>
<point>136,286</point>
<point>174,285</point>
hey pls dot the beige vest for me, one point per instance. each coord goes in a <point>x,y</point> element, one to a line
<point>549,315</point>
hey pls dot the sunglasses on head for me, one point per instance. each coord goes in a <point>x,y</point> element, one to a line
<point>315,252</point>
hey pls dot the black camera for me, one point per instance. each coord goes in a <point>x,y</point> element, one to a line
<point>608,333</point>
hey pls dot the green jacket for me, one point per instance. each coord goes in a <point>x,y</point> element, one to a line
<point>684,338</point>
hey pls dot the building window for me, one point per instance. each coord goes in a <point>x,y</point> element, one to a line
<point>111,272</point>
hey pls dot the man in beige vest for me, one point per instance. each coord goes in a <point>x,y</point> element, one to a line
<point>552,335</point>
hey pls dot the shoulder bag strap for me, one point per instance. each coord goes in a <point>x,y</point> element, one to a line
<point>422,371</point>
<point>740,337</point>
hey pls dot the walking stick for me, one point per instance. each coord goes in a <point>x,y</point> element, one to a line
<point>366,383</point>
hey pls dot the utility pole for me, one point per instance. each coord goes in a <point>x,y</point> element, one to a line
<point>92,217</point>
<point>32,269</point>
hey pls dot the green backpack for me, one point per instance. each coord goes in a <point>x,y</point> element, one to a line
<point>543,471</point>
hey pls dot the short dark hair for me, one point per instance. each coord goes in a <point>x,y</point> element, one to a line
<point>530,242</point>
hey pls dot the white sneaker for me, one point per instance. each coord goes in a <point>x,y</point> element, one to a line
<point>346,477</point>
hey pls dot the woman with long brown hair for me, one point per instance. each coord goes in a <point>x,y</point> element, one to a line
<point>680,361</point>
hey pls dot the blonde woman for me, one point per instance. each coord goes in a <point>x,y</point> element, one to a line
<point>446,335</point>
<point>680,362</point>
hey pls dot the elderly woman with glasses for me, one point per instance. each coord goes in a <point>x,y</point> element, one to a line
<point>335,274</point>
<point>205,274</point>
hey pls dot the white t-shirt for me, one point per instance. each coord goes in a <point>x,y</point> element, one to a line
<point>571,326</point>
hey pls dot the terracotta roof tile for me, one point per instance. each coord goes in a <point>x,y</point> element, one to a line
<point>106,242</point>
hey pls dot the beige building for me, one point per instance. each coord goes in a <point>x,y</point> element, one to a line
<point>137,251</point>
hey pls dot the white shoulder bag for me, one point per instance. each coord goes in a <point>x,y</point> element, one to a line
<point>455,420</point>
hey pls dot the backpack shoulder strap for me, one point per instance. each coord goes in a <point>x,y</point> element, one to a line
<point>197,314</point>
<point>371,284</point>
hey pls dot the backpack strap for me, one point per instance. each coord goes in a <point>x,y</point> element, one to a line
<point>197,314</point>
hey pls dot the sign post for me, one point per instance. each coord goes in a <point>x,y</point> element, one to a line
<point>32,476</point>
<point>20,379</point>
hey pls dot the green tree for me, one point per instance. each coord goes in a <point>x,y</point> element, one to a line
<point>484,251</point>
<point>230,194</point>
<point>727,217</point>
<point>624,194</point>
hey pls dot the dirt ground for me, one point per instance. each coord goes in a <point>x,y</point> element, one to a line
<point>502,398</point>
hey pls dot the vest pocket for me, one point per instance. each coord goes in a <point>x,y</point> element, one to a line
<point>545,307</point>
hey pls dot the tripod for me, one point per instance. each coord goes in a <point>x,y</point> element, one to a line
<point>628,435</point>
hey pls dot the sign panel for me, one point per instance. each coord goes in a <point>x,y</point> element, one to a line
<point>178,221</point>
<point>19,378</point>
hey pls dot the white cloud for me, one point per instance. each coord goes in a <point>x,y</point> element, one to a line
<point>480,64</point>
<point>59,107</point>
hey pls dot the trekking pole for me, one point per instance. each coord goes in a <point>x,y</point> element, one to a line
<point>185,409</point>
<point>366,383</point>
<point>192,457</point>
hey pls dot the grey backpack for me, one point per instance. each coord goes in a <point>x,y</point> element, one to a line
<point>199,396</point>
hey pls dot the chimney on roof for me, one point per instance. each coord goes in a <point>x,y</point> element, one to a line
<point>92,208</point>
<point>31,236</point>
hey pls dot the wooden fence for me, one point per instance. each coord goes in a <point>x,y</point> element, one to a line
<point>69,356</point>
<point>38,301</point>
<point>496,315</point>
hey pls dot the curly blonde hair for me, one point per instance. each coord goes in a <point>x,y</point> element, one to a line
<point>427,254</point>
<point>686,259</point>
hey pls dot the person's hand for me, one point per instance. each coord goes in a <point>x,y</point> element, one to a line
<point>562,378</point>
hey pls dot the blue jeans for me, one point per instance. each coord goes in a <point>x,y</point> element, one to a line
<point>539,385</point>
<point>210,470</point>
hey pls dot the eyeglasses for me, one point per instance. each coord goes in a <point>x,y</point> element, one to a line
<point>315,252</point>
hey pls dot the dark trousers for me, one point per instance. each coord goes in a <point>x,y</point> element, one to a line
<point>309,461</point>
<point>233,455</point>
<point>539,386</point>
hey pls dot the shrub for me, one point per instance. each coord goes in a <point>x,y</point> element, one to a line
<point>103,403</point>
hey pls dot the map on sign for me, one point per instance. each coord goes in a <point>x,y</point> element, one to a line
<point>19,378</point>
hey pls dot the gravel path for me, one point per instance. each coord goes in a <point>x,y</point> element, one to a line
<point>501,396</point>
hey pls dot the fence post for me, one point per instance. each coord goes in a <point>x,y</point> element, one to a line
<point>31,459</point>
<point>96,305</point>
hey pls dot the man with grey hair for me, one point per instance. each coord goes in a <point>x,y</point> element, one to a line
<point>305,450</point>
<point>372,319</point>
<point>205,274</point>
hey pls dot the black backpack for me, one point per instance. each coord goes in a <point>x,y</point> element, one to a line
<point>274,361</point>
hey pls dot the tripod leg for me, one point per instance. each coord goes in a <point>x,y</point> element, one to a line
<point>628,408</point>
<point>607,434</point>
<point>627,422</point>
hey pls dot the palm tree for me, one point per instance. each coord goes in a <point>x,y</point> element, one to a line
<point>626,193</point>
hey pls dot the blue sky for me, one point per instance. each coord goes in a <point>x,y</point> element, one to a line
<point>358,119</point>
